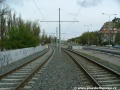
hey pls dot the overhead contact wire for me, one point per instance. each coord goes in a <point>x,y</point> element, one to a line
<point>38,9</point>
<point>77,14</point>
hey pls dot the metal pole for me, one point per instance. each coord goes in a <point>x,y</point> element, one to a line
<point>88,35</point>
<point>51,39</point>
<point>59,28</point>
<point>75,39</point>
<point>57,37</point>
<point>109,31</point>
<point>109,26</point>
<point>59,33</point>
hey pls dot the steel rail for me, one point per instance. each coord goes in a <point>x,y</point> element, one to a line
<point>99,64</point>
<point>7,73</point>
<point>95,83</point>
<point>24,82</point>
<point>103,67</point>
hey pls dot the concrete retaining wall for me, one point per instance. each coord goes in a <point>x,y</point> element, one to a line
<point>10,56</point>
<point>75,47</point>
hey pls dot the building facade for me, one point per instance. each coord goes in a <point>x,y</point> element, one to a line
<point>108,31</point>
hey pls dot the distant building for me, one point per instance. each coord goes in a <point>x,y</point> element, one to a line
<point>116,20</point>
<point>108,31</point>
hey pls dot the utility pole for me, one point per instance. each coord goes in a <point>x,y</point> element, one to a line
<point>59,29</point>
<point>88,33</point>
<point>59,33</point>
<point>109,15</point>
<point>57,37</point>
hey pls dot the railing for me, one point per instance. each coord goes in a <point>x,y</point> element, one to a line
<point>105,51</point>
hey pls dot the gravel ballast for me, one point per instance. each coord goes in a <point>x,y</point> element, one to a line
<point>59,74</point>
<point>102,58</point>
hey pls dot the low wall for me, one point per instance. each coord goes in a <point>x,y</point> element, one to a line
<point>10,56</point>
<point>75,47</point>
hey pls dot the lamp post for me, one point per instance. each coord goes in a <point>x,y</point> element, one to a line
<point>109,15</point>
<point>88,32</point>
<point>63,38</point>
<point>52,38</point>
<point>57,37</point>
<point>76,37</point>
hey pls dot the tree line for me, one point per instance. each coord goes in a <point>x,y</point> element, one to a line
<point>91,38</point>
<point>117,38</point>
<point>94,38</point>
<point>15,32</point>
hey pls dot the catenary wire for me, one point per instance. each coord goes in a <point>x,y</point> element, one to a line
<point>76,14</point>
<point>80,9</point>
<point>38,9</point>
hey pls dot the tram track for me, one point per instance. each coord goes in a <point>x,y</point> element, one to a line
<point>19,77</point>
<point>98,74</point>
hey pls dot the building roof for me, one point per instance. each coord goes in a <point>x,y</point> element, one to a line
<point>110,27</point>
<point>116,20</point>
<point>107,25</point>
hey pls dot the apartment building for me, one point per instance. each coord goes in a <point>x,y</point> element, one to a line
<point>108,31</point>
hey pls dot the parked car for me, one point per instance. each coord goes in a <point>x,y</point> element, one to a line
<point>117,46</point>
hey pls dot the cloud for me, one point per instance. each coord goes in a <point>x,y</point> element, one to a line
<point>72,14</point>
<point>117,1</point>
<point>89,3</point>
<point>15,2</point>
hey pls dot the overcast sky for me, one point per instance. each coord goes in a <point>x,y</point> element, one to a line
<point>90,13</point>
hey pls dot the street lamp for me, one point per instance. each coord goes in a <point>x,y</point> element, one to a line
<point>88,31</point>
<point>109,25</point>
<point>76,37</point>
<point>63,40</point>
<point>52,38</point>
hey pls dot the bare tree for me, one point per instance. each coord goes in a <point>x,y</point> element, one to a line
<point>4,9</point>
<point>1,1</point>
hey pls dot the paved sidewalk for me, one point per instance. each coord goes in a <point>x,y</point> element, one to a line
<point>106,57</point>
